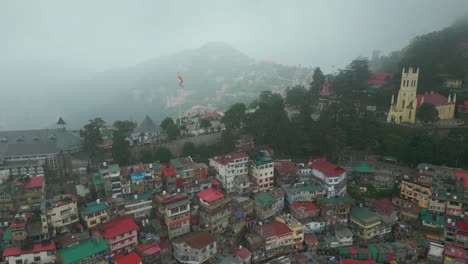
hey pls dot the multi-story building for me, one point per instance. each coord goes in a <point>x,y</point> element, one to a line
<point>215,210</point>
<point>297,230</point>
<point>366,224</point>
<point>333,176</point>
<point>98,185</point>
<point>304,210</point>
<point>456,233</point>
<point>242,208</point>
<point>278,237</point>
<point>335,210</point>
<point>22,147</point>
<point>92,250</point>
<point>304,192</point>
<point>94,213</point>
<point>185,168</point>
<point>110,175</point>
<point>174,210</point>
<point>285,172</point>
<point>169,178</point>
<point>139,205</point>
<point>242,184</point>
<point>265,205</point>
<point>30,253</point>
<point>120,234</point>
<point>177,218</point>
<point>193,248</point>
<point>231,169</point>
<point>409,211</point>
<point>29,191</point>
<point>18,226</point>
<point>415,192</point>
<point>59,214</point>
<point>262,171</point>
<point>153,179</point>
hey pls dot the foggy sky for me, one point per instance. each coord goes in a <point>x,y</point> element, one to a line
<point>100,35</point>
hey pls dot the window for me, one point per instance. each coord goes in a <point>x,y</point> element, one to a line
<point>19,261</point>
<point>38,258</point>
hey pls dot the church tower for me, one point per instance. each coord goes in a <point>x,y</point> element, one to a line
<point>404,109</point>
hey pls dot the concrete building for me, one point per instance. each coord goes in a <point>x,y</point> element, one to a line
<point>110,174</point>
<point>304,210</point>
<point>120,234</point>
<point>32,253</point>
<point>139,205</point>
<point>415,192</point>
<point>281,236</point>
<point>185,168</point>
<point>29,191</point>
<point>262,171</point>
<point>94,213</point>
<point>285,172</point>
<point>333,176</point>
<point>366,224</point>
<point>174,210</point>
<point>304,192</point>
<point>335,211</point>
<point>215,210</point>
<point>59,214</point>
<point>229,168</point>
<point>194,248</point>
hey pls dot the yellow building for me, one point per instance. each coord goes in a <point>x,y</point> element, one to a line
<point>416,193</point>
<point>403,110</point>
<point>365,223</point>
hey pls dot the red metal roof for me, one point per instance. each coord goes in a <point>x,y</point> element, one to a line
<point>285,166</point>
<point>379,78</point>
<point>353,261</point>
<point>226,159</point>
<point>210,195</point>
<point>432,98</point>
<point>462,224</point>
<point>117,227</point>
<point>15,251</point>
<point>384,205</point>
<point>327,168</point>
<point>149,249</point>
<point>34,182</point>
<point>325,89</point>
<point>308,206</point>
<point>131,258</point>
<point>244,253</point>
<point>168,170</point>
<point>455,252</point>
<point>461,174</point>
<point>275,228</point>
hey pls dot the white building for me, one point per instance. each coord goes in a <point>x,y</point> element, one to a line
<point>333,176</point>
<point>262,172</point>
<point>110,174</point>
<point>58,214</point>
<point>194,248</point>
<point>34,253</point>
<point>229,167</point>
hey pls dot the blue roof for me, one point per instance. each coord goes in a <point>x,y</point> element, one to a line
<point>137,176</point>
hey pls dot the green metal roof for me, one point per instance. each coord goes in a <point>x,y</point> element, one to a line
<point>363,213</point>
<point>7,236</point>
<point>363,168</point>
<point>309,187</point>
<point>83,250</point>
<point>144,195</point>
<point>336,200</point>
<point>264,199</point>
<point>432,218</point>
<point>93,207</point>
<point>97,180</point>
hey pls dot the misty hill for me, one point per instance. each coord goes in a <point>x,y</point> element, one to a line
<point>439,54</point>
<point>214,75</point>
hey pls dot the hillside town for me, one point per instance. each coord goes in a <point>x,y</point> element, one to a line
<point>246,206</point>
